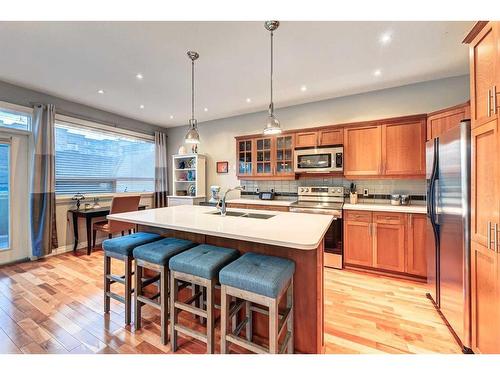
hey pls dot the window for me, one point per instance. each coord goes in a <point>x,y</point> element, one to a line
<point>13,117</point>
<point>91,160</point>
<point>4,195</point>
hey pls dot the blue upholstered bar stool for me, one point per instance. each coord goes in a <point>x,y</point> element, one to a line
<point>155,256</point>
<point>199,266</point>
<point>121,248</point>
<point>263,280</point>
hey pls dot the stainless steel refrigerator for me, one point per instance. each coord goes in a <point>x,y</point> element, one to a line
<point>448,229</point>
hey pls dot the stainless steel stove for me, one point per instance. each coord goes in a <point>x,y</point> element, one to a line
<point>325,200</point>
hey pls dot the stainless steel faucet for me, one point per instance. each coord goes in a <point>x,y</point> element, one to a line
<point>221,204</point>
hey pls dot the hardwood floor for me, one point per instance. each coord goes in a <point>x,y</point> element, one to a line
<point>55,306</point>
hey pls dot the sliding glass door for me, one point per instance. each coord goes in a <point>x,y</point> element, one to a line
<point>14,199</point>
<point>5,195</point>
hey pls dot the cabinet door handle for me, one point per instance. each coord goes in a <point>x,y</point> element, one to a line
<point>488,236</point>
<point>494,94</point>
<point>370,229</point>
<point>495,237</point>
<point>488,103</point>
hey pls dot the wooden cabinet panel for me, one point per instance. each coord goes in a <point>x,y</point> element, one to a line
<point>306,139</point>
<point>485,195</point>
<point>358,249</point>
<point>484,73</point>
<point>442,121</point>
<point>485,283</point>
<point>416,257</point>
<point>403,148</point>
<point>363,151</point>
<point>389,218</point>
<point>330,137</point>
<point>389,247</point>
<point>361,216</point>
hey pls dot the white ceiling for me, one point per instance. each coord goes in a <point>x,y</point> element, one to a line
<point>73,60</point>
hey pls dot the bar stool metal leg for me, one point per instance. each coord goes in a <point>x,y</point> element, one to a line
<point>210,317</point>
<point>138,292</point>
<point>173,311</point>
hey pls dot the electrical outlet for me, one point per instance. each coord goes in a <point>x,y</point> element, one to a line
<point>365,192</point>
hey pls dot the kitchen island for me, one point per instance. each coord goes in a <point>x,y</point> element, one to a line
<point>295,236</point>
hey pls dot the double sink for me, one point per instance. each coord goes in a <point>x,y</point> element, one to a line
<point>250,215</point>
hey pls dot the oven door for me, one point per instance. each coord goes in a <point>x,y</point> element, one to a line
<point>319,160</point>
<point>333,245</point>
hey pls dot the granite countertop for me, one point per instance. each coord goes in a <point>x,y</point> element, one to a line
<point>413,208</point>
<point>293,230</point>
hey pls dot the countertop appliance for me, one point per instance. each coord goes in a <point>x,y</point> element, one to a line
<point>319,159</point>
<point>448,223</point>
<point>327,201</point>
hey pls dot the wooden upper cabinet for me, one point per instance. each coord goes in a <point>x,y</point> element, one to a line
<point>306,139</point>
<point>416,255</point>
<point>244,155</point>
<point>263,156</point>
<point>446,119</point>
<point>363,151</point>
<point>330,137</point>
<point>403,148</point>
<point>484,71</point>
<point>283,155</point>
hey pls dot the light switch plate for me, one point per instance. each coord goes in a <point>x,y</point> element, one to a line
<point>365,192</point>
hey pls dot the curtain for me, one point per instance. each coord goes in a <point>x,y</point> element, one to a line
<point>161,170</point>
<point>43,182</point>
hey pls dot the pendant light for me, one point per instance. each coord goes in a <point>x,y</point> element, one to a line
<point>192,136</point>
<point>273,125</point>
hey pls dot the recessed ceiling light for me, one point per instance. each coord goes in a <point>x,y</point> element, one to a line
<point>248,100</point>
<point>141,106</point>
<point>171,117</point>
<point>385,38</point>
<point>377,73</point>
<point>205,109</point>
<point>139,76</point>
<point>303,88</point>
<point>101,91</point>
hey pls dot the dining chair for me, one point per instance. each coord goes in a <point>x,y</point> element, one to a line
<point>118,204</point>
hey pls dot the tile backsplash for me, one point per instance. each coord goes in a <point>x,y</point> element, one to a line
<point>382,186</point>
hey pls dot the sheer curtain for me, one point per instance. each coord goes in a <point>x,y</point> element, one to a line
<point>43,182</point>
<point>161,170</point>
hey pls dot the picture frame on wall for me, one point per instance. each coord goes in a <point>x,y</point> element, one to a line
<point>222,167</point>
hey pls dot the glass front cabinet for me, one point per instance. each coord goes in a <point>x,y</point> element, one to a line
<point>245,154</point>
<point>283,162</point>
<point>266,156</point>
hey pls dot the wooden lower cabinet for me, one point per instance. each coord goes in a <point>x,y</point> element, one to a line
<point>387,242</point>
<point>416,257</point>
<point>389,247</point>
<point>358,243</point>
<point>485,282</point>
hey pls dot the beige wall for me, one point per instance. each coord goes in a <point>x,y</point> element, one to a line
<point>217,136</point>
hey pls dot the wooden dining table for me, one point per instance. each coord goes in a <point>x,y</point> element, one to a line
<point>88,215</point>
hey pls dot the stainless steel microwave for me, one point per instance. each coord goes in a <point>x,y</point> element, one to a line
<point>319,160</point>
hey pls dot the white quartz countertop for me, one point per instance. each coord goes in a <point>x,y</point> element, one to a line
<point>294,230</point>
<point>412,209</point>
<point>273,202</point>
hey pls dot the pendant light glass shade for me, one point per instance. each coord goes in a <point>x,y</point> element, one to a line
<point>192,136</point>
<point>273,124</point>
